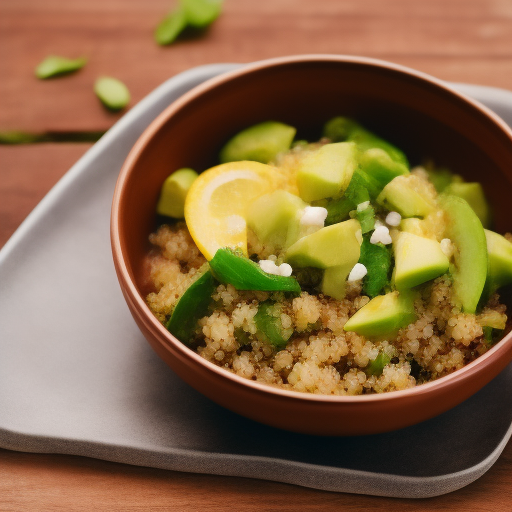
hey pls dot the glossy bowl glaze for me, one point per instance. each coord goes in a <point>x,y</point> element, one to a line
<point>416,112</point>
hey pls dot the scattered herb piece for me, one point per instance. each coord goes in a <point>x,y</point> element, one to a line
<point>19,137</point>
<point>377,260</point>
<point>270,328</point>
<point>171,26</point>
<point>376,367</point>
<point>112,92</point>
<point>54,65</point>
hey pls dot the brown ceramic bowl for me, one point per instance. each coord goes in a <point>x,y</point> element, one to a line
<point>418,113</point>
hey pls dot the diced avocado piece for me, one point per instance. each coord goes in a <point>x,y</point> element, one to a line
<point>191,306</point>
<point>234,268</point>
<point>417,260</point>
<point>338,210</point>
<point>473,193</point>
<point>376,367</point>
<point>499,251</point>
<point>260,143</point>
<point>327,171</point>
<point>174,191</point>
<point>401,195</point>
<point>366,218</point>
<point>335,279</point>
<point>275,218</point>
<point>377,260</point>
<point>413,225</point>
<point>380,166</point>
<point>270,327</point>
<point>384,315</point>
<point>466,232</point>
<point>331,246</point>
<point>441,178</point>
<point>345,129</point>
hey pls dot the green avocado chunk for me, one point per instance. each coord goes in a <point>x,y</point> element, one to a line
<point>326,172</point>
<point>417,260</point>
<point>473,193</point>
<point>345,129</point>
<point>499,274</point>
<point>174,191</point>
<point>270,328</point>
<point>239,271</point>
<point>466,232</point>
<point>401,196</point>
<point>384,315</point>
<point>331,246</point>
<point>191,306</point>
<point>377,260</point>
<point>260,143</point>
<point>334,280</point>
<point>275,218</point>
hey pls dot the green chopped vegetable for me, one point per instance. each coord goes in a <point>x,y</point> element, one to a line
<point>174,191</point>
<point>441,178</point>
<point>362,187</point>
<point>376,367</point>
<point>171,26</point>
<point>268,322</point>
<point>54,65</point>
<point>191,306</point>
<point>366,218</point>
<point>341,129</point>
<point>201,13</point>
<point>338,210</point>
<point>491,335</point>
<point>381,167</point>
<point>377,260</point>
<point>112,92</point>
<point>234,268</point>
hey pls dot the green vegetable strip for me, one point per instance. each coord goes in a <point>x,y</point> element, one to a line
<point>338,210</point>
<point>192,306</point>
<point>233,268</point>
<point>377,260</point>
<point>366,218</point>
<point>55,66</point>
<point>376,367</point>
<point>268,322</point>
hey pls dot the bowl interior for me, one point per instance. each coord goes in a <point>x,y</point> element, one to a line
<point>416,114</point>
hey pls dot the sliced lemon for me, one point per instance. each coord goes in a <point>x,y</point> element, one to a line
<point>216,204</point>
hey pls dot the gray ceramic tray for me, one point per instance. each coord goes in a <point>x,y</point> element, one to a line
<point>77,377</point>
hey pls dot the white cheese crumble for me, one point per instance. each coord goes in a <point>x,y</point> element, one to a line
<point>393,219</point>
<point>381,234</point>
<point>270,267</point>
<point>447,247</point>
<point>358,272</point>
<point>362,206</point>
<point>313,216</point>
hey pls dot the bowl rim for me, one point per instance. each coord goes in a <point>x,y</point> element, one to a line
<point>167,340</point>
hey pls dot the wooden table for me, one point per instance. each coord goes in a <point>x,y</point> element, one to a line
<point>456,40</point>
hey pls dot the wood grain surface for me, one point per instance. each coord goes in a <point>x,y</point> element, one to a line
<point>456,40</point>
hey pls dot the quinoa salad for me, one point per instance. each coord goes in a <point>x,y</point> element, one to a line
<point>330,267</point>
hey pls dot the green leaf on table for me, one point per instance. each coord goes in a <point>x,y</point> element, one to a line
<point>54,65</point>
<point>112,92</point>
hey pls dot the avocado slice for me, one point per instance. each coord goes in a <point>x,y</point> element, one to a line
<point>331,246</point>
<point>413,225</point>
<point>384,315</point>
<point>499,250</point>
<point>466,232</point>
<point>326,172</point>
<point>473,193</point>
<point>275,218</point>
<point>401,195</point>
<point>174,191</point>
<point>417,260</point>
<point>334,280</point>
<point>260,143</point>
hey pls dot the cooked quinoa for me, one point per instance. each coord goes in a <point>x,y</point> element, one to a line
<point>320,357</point>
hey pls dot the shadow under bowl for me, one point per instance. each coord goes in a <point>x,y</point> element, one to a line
<point>417,113</point>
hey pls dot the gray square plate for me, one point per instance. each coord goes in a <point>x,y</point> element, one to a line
<point>77,376</point>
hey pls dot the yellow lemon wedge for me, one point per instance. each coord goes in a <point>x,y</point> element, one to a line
<point>216,204</point>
